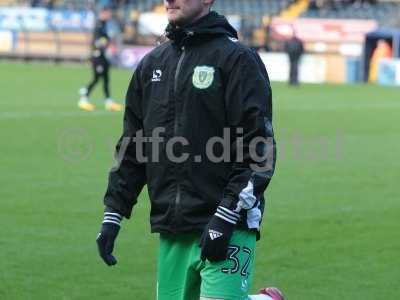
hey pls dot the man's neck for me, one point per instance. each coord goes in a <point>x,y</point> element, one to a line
<point>203,14</point>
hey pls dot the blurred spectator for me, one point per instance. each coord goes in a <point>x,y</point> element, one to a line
<point>382,50</point>
<point>268,32</point>
<point>294,48</point>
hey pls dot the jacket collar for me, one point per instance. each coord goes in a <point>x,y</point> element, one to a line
<point>211,24</point>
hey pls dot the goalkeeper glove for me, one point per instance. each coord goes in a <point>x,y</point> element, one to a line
<point>217,234</point>
<point>108,233</point>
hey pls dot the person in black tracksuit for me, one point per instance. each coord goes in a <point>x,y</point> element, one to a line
<point>199,83</point>
<point>99,61</point>
<point>100,66</point>
<point>295,49</point>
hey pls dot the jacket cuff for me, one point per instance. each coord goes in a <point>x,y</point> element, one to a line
<point>112,217</point>
<point>116,206</point>
<point>229,203</point>
<point>227,215</point>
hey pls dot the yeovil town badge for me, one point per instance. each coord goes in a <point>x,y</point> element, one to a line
<point>203,77</point>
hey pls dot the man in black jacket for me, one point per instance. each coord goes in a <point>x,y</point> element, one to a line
<point>198,131</point>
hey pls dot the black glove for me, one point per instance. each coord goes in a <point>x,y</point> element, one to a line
<point>108,233</point>
<point>217,234</point>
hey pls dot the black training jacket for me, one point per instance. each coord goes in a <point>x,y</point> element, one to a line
<point>195,85</point>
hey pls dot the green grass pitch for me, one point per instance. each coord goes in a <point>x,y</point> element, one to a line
<point>331,230</point>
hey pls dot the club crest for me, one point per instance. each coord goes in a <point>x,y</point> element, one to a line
<point>203,77</point>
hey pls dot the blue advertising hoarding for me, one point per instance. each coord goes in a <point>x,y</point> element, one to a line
<point>41,19</point>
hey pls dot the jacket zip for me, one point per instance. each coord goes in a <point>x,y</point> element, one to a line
<point>178,70</point>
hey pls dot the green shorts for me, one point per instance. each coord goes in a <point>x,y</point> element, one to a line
<point>183,276</point>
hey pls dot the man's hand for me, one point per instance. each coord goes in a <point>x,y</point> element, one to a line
<point>108,233</point>
<point>217,234</point>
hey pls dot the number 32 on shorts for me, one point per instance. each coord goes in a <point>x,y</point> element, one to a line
<point>240,259</point>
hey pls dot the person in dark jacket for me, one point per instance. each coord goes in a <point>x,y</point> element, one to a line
<point>295,49</point>
<point>198,131</point>
<point>100,66</point>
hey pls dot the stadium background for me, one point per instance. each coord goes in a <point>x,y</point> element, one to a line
<point>331,230</point>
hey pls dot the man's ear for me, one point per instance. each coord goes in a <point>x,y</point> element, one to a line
<point>208,2</point>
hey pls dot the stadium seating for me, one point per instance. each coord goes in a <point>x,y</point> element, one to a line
<point>250,8</point>
<point>386,13</point>
<point>254,10</point>
<point>48,44</point>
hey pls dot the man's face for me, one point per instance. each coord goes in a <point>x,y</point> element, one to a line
<point>105,15</point>
<point>181,12</point>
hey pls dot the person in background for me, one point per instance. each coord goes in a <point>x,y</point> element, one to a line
<point>382,50</point>
<point>268,32</point>
<point>100,66</point>
<point>294,48</point>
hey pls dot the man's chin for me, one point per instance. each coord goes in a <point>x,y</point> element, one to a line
<point>176,21</point>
